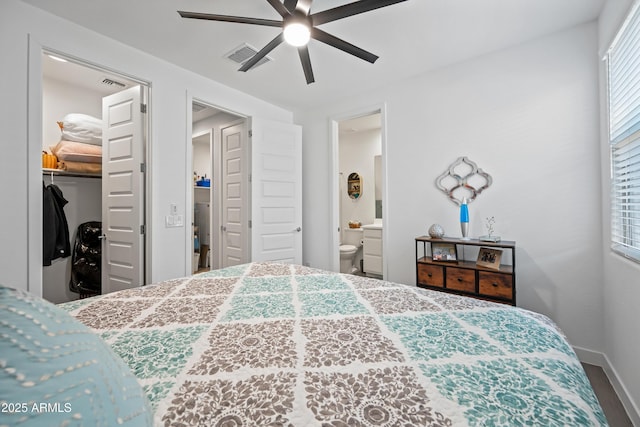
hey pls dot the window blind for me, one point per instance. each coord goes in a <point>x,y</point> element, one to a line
<point>623,61</point>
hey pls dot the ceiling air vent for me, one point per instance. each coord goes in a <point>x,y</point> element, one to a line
<point>109,82</point>
<point>242,53</point>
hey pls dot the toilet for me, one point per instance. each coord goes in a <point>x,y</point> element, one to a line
<point>347,255</point>
<point>351,243</point>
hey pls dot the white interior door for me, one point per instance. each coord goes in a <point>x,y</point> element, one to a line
<point>234,228</point>
<point>122,191</point>
<point>276,189</point>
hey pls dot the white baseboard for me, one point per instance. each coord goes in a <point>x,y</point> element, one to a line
<point>599,359</point>
<point>591,357</point>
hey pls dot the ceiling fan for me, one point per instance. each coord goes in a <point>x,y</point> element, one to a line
<point>299,25</point>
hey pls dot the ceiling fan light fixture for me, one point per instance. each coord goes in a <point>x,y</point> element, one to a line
<point>298,26</point>
<point>297,33</point>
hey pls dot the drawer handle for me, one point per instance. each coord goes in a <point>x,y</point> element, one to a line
<point>429,275</point>
<point>495,285</point>
<point>459,279</point>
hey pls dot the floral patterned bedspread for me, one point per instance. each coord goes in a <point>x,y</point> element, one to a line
<point>285,345</point>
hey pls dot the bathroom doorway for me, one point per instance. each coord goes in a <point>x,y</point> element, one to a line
<point>358,192</point>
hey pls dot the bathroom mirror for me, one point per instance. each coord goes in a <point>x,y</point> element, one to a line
<point>354,186</point>
<point>377,174</point>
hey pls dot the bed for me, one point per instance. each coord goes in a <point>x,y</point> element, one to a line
<point>286,345</point>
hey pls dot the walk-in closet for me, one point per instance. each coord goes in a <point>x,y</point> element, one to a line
<point>71,93</point>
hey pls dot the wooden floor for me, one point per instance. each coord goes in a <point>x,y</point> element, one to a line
<point>611,405</point>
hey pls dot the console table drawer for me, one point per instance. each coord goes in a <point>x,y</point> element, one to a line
<point>461,279</point>
<point>496,285</point>
<point>431,275</point>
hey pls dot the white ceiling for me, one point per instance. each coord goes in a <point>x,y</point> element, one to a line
<point>360,124</point>
<point>83,76</point>
<point>410,37</point>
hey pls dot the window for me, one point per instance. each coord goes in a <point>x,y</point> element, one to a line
<point>623,63</point>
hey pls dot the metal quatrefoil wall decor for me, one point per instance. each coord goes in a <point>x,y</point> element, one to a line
<point>455,181</point>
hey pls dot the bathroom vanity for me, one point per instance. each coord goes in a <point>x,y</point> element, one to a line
<point>372,249</point>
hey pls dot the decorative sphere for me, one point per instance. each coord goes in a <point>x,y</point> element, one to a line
<point>436,231</point>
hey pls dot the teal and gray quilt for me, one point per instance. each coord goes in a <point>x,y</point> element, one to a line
<point>285,345</point>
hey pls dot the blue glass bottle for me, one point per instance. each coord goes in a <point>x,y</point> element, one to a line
<point>464,219</point>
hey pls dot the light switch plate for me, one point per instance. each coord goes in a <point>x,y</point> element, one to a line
<point>173,221</point>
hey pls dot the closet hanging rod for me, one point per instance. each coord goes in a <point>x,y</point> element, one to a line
<point>61,172</point>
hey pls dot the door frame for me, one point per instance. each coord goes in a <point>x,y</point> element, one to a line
<point>334,188</point>
<point>215,176</point>
<point>34,159</point>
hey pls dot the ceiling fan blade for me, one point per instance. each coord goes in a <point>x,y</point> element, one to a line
<point>303,51</point>
<point>303,6</point>
<point>279,7</point>
<point>263,52</point>
<point>350,9</point>
<point>227,18</point>
<point>343,45</point>
<point>290,5</point>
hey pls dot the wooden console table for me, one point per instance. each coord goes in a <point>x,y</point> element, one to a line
<point>465,277</point>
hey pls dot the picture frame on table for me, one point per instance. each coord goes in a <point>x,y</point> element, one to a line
<point>445,252</point>
<point>489,257</point>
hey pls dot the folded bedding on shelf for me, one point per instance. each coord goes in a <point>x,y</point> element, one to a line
<point>81,128</point>
<point>71,166</point>
<point>77,152</point>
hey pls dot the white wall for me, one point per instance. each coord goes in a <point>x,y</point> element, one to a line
<point>83,194</point>
<point>22,25</point>
<point>61,98</point>
<point>202,158</point>
<point>357,153</point>
<point>529,117</point>
<point>621,277</point>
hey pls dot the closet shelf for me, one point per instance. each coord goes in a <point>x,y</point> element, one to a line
<point>62,172</point>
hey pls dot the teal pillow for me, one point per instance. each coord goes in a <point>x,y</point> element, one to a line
<point>55,371</point>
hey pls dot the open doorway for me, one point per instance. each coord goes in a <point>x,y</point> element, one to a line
<point>255,191</point>
<point>76,100</point>
<point>359,189</point>
<point>220,188</point>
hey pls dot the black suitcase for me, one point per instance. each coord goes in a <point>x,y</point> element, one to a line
<point>86,261</point>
